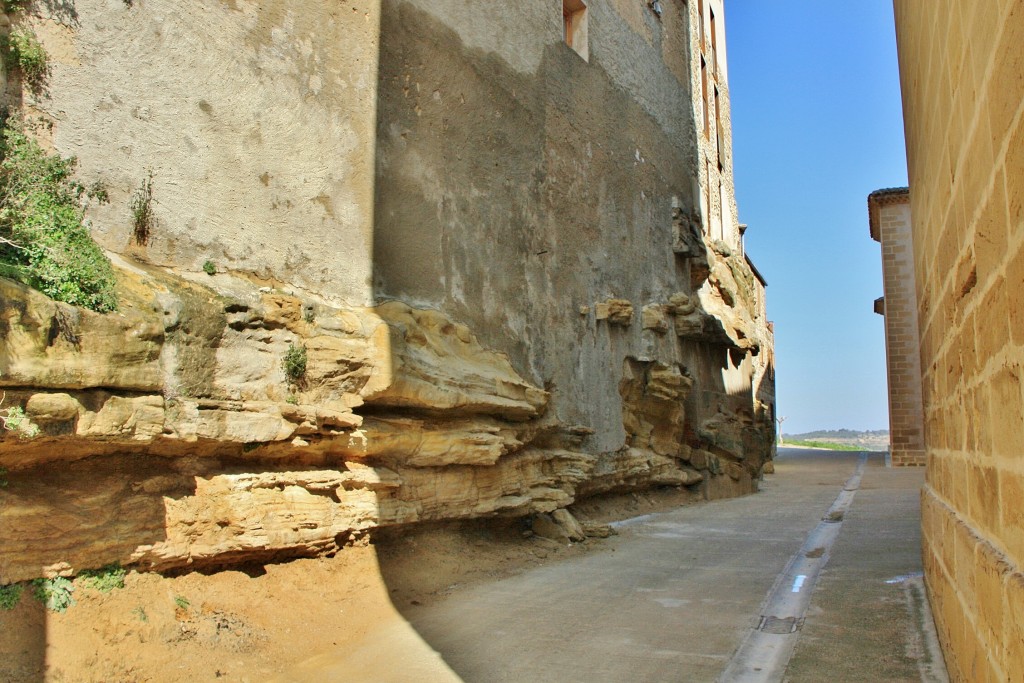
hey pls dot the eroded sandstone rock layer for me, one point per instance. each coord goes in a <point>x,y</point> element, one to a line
<point>171,435</point>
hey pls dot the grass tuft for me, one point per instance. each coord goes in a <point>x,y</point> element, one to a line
<point>104,579</point>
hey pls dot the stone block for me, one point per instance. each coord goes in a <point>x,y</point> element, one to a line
<point>990,232</point>
<point>1005,408</point>
<point>46,408</point>
<point>138,418</point>
<point>993,327</point>
<point>1014,169</point>
<point>984,503</point>
<point>87,350</point>
<point>964,548</point>
<point>682,303</point>
<point>615,311</point>
<point>1011,527</point>
<point>545,526</point>
<point>572,528</point>
<point>1015,296</point>
<point>690,326</point>
<point>1013,625</point>
<point>655,317</point>
<point>991,572</point>
<point>947,544</point>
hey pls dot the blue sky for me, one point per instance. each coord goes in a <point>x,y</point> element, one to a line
<point>817,126</point>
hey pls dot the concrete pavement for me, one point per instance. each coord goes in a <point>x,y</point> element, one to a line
<point>676,594</point>
<point>858,628</point>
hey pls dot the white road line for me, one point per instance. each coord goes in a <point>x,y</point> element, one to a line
<point>765,653</point>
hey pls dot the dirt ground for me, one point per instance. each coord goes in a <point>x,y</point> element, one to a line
<point>260,623</point>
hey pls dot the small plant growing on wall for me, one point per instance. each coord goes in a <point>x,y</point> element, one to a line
<point>210,268</point>
<point>295,363</point>
<point>141,206</point>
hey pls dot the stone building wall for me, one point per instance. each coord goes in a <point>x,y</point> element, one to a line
<point>489,248</point>
<point>960,66</point>
<point>519,184</point>
<point>889,215</point>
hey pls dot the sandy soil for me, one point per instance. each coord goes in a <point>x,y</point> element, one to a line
<point>262,623</point>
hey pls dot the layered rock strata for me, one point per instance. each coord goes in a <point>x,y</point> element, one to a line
<point>171,435</point>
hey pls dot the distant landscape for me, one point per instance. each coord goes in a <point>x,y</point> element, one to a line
<point>841,440</point>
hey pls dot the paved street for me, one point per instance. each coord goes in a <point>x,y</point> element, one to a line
<point>676,594</point>
<point>680,596</point>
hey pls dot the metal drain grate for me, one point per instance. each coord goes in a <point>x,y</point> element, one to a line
<point>780,626</point>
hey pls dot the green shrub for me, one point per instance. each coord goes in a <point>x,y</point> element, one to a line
<point>10,596</point>
<point>25,50</point>
<point>295,362</point>
<point>181,602</point>
<point>210,268</point>
<point>44,241</point>
<point>54,593</point>
<point>104,579</point>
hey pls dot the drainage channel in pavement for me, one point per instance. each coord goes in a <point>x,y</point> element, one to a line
<point>765,653</point>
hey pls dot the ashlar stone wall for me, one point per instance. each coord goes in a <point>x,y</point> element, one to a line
<point>960,66</point>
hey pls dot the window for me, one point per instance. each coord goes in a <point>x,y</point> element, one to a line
<point>714,45</point>
<point>574,26</point>
<point>719,140</point>
<point>700,13</point>
<point>707,197</point>
<point>704,95</point>
<point>718,218</point>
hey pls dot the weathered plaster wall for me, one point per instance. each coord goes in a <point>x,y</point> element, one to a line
<point>514,199</point>
<point>256,120</point>
<point>960,67</point>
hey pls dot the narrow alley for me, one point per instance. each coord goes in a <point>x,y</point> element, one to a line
<point>675,594</point>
